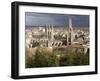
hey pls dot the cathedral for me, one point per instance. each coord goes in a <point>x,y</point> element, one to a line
<point>50,35</point>
<point>46,36</point>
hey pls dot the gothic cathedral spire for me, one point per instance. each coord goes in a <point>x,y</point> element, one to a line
<point>70,31</point>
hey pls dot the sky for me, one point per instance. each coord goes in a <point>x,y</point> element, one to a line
<point>42,19</point>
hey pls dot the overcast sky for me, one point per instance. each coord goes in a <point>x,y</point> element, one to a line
<point>32,19</point>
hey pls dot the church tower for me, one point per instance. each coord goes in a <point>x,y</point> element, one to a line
<point>52,33</point>
<point>70,31</point>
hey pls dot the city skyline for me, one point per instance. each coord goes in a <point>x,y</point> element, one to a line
<point>50,46</point>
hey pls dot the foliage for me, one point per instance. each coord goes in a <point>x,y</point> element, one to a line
<point>56,58</point>
<point>74,59</point>
<point>41,59</point>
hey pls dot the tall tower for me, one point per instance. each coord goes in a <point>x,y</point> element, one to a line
<point>70,31</point>
<point>46,31</point>
<point>47,35</point>
<point>49,32</point>
<point>52,32</point>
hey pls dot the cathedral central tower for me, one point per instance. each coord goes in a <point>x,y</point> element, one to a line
<point>70,31</point>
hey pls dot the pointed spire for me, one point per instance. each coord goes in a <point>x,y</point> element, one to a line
<point>70,31</point>
<point>52,30</point>
<point>70,22</point>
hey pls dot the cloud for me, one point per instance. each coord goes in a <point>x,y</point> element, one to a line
<point>32,19</point>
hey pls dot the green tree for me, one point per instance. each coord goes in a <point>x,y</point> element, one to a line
<point>40,59</point>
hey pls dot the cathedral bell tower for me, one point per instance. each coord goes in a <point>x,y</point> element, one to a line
<point>70,31</point>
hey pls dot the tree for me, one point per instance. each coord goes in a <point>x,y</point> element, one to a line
<point>42,59</point>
